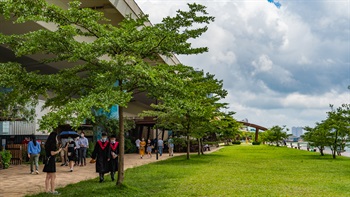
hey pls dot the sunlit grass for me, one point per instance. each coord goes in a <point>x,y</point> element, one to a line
<point>231,171</point>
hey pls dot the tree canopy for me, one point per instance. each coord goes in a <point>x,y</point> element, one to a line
<point>191,105</point>
<point>107,63</point>
<point>275,134</point>
<point>103,54</point>
<point>333,132</point>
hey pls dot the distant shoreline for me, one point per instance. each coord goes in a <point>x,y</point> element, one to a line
<point>326,151</point>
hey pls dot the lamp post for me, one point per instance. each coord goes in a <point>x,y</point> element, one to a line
<point>156,145</point>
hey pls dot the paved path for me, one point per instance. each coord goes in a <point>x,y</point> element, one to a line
<point>16,181</point>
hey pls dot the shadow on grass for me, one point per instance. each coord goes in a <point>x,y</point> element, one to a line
<point>326,157</point>
<point>194,159</point>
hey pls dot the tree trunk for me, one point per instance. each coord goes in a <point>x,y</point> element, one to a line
<point>121,147</point>
<point>335,144</point>
<point>321,151</point>
<point>334,152</point>
<point>188,146</point>
<point>199,146</point>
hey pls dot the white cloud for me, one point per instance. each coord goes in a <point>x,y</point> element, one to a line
<point>263,64</point>
<point>280,66</point>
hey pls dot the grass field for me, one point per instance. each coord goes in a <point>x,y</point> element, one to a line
<point>231,171</point>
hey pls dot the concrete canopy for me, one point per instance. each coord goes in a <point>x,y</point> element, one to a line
<point>114,10</point>
<point>257,128</point>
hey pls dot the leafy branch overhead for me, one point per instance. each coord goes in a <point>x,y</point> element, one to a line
<point>93,55</point>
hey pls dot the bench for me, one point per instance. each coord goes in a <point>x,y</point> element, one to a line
<point>16,152</point>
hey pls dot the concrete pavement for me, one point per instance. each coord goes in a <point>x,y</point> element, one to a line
<point>17,180</point>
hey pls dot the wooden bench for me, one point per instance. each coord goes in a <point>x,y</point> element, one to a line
<point>16,152</point>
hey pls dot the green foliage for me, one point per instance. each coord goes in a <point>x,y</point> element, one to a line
<point>333,132</point>
<point>253,170</point>
<point>228,127</point>
<point>178,141</point>
<point>130,147</point>
<point>191,105</point>
<point>89,80</point>
<point>256,143</point>
<point>5,158</point>
<point>128,54</point>
<point>319,137</point>
<point>236,142</point>
<point>274,135</point>
<point>17,100</point>
<point>90,150</point>
<point>111,125</point>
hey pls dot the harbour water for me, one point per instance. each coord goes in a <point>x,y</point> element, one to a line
<point>303,146</point>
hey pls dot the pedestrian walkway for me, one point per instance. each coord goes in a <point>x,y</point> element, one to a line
<point>17,180</point>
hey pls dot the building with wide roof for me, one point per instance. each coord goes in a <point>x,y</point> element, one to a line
<point>115,11</point>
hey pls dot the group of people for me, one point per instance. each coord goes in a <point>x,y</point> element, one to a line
<point>148,146</point>
<point>73,151</point>
<point>105,155</point>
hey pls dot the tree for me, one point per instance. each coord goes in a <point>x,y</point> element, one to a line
<point>228,127</point>
<point>275,134</point>
<point>109,62</point>
<point>333,132</point>
<point>338,124</point>
<point>319,136</point>
<point>192,102</point>
<point>17,100</point>
<point>111,125</point>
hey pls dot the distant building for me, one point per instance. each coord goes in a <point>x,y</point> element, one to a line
<point>297,131</point>
<point>293,138</point>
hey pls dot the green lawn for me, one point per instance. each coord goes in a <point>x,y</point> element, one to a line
<point>231,171</point>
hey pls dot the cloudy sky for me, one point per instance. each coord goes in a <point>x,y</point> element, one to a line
<point>280,66</point>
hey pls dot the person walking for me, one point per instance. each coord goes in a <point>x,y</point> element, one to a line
<point>64,157</point>
<point>83,144</point>
<point>77,152</point>
<point>171,146</point>
<point>71,153</point>
<point>50,163</point>
<point>102,154</point>
<point>34,150</point>
<point>137,143</point>
<point>142,148</point>
<point>160,144</point>
<point>113,162</point>
<point>149,148</point>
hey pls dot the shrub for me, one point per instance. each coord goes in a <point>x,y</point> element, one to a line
<point>180,144</point>
<point>256,143</point>
<point>90,149</point>
<point>236,142</point>
<point>5,158</point>
<point>129,146</point>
